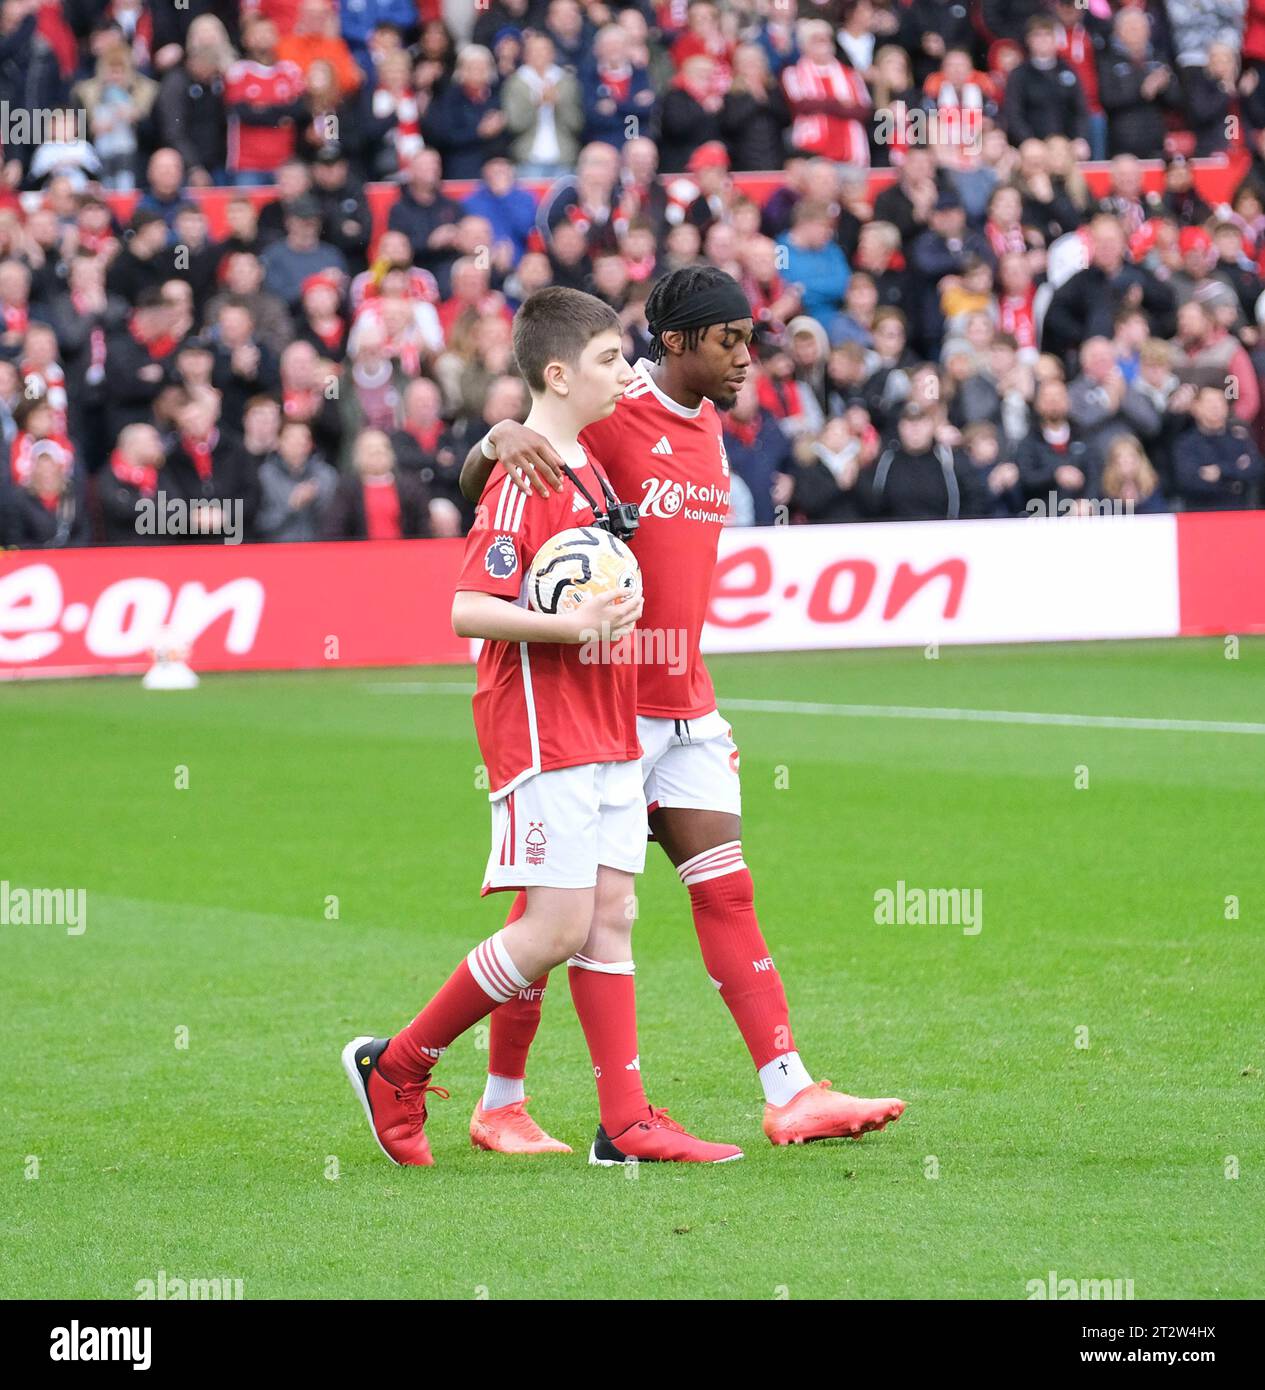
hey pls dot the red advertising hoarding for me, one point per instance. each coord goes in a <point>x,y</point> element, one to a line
<point>279,607</point>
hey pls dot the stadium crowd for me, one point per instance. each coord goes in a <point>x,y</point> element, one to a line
<point>983,337</point>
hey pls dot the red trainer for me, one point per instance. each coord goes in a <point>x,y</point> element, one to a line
<point>657,1139</point>
<point>817,1112</point>
<point>396,1114</point>
<point>509,1129</point>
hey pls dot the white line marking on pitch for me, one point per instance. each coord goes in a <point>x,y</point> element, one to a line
<point>972,716</point>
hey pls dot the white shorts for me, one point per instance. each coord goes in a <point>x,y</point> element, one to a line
<point>554,829</point>
<point>690,763</point>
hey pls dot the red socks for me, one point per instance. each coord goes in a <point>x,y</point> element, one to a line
<point>606,1002</point>
<point>486,978</point>
<point>734,951</point>
<point>514,1023</point>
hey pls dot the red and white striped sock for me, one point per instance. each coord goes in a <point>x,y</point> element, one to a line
<point>605,995</point>
<point>487,977</point>
<point>511,1032</point>
<point>739,965</point>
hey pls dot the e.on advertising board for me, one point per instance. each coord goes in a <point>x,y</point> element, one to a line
<point>277,607</point>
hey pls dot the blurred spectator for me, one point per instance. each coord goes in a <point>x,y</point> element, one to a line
<point>617,94</point>
<point>359,18</point>
<point>288,263</point>
<point>754,116</point>
<point>426,215</point>
<point>916,478</point>
<point>1215,463</point>
<point>319,321</point>
<point>294,181</point>
<point>263,97</point>
<point>1102,405</point>
<point>1043,97</point>
<point>1208,355</point>
<point>830,105</point>
<point>511,210</point>
<point>243,278</point>
<point>759,453</point>
<point>211,468</point>
<point>690,113</point>
<point>346,222</point>
<point>1053,460</point>
<point>570,31</point>
<point>465,123</point>
<point>190,115</point>
<point>296,488</point>
<point>1085,305</point>
<point>244,366</point>
<point>814,260</point>
<point>1129,479</point>
<point>544,114</point>
<point>1139,89</point>
<point>310,394</point>
<point>46,512</point>
<point>136,360</point>
<point>82,318</point>
<point>416,442</point>
<point>315,38</point>
<point>378,501</point>
<point>261,428</point>
<point>909,202</point>
<point>116,100</point>
<point>133,473</point>
<point>393,131</point>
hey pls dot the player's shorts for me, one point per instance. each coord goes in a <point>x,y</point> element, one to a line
<point>690,763</point>
<point>554,829</point>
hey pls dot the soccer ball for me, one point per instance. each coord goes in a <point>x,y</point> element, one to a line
<point>576,563</point>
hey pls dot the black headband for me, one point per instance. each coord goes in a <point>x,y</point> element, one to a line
<point>723,302</point>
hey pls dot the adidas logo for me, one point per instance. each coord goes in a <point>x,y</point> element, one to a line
<point>662,447</point>
<point>635,1064</point>
<point>578,503</point>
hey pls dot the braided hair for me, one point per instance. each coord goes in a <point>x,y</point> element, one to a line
<point>670,293</point>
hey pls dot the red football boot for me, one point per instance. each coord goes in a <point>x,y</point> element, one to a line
<point>657,1139</point>
<point>509,1129</point>
<point>396,1114</point>
<point>817,1112</point>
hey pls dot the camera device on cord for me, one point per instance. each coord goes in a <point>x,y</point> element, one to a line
<point>621,519</point>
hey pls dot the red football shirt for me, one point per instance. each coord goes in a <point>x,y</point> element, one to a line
<point>671,461</point>
<point>537,705</point>
<point>256,147</point>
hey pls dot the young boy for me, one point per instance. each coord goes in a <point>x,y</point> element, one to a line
<point>559,737</point>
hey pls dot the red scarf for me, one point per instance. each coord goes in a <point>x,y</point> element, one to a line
<point>382,511</point>
<point>744,431</point>
<point>780,398</point>
<point>429,437</point>
<point>301,404</point>
<point>200,451</point>
<point>640,270</point>
<point>1003,241</point>
<point>137,475</point>
<point>1015,316</point>
<point>158,347</point>
<point>333,338</point>
<point>17,318</point>
<point>617,81</point>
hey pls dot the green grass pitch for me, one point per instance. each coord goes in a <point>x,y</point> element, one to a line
<point>1084,1076</point>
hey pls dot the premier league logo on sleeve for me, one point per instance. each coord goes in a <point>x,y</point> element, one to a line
<point>502,559</point>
